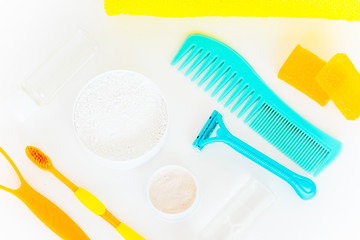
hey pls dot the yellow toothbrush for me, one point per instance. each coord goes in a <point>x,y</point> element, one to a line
<point>41,160</point>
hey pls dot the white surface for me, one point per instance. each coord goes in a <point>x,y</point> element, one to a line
<point>31,30</point>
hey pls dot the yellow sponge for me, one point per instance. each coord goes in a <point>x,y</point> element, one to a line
<point>330,9</point>
<point>341,81</point>
<point>300,70</point>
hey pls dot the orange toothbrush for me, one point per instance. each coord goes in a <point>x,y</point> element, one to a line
<point>51,215</point>
<point>41,160</point>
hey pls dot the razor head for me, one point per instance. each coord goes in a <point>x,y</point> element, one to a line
<point>207,131</point>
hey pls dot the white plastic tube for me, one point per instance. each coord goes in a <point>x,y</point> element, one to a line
<point>239,213</point>
<point>59,68</point>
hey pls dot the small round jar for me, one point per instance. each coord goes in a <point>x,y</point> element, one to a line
<point>173,192</point>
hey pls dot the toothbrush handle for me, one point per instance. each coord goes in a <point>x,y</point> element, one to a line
<point>303,186</point>
<point>98,208</point>
<point>51,215</point>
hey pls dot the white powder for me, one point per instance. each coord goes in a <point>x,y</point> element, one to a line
<point>120,115</point>
<point>172,190</point>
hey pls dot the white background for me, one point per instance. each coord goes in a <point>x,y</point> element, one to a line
<point>31,30</point>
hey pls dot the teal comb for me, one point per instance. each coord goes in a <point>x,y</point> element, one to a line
<point>234,82</point>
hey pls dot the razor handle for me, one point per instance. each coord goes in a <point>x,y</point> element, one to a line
<point>303,186</point>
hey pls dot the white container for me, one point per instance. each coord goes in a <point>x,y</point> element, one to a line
<point>237,215</point>
<point>121,117</point>
<point>42,86</point>
<point>173,216</point>
<point>59,68</point>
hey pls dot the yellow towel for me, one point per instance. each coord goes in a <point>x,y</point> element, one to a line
<point>330,9</point>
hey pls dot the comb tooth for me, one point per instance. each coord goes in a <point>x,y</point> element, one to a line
<point>185,48</point>
<point>293,131</point>
<point>212,69</point>
<point>295,148</point>
<point>254,110</point>
<point>255,113</point>
<point>310,154</point>
<point>318,162</point>
<point>197,61</point>
<point>222,83</point>
<point>322,163</point>
<point>254,124</point>
<point>239,88</point>
<point>293,142</point>
<point>278,129</point>
<point>317,153</point>
<point>229,88</point>
<point>245,95</point>
<point>269,128</point>
<point>290,130</point>
<point>270,124</point>
<point>221,72</point>
<point>309,150</point>
<point>209,61</point>
<point>297,140</point>
<point>315,161</point>
<point>264,121</point>
<point>252,99</point>
<point>257,122</point>
<point>259,119</point>
<point>285,134</point>
<point>273,131</point>
<point>194,52</point>
<point>304,150</point>
<point>293,139</point>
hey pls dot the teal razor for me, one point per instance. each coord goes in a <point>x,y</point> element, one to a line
<point>216,131</point>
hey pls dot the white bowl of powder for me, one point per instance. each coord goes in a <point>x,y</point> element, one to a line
<point>173,192</point>
<point>121,117</point>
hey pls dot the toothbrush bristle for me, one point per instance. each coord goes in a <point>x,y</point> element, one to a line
<point>38,157</point>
